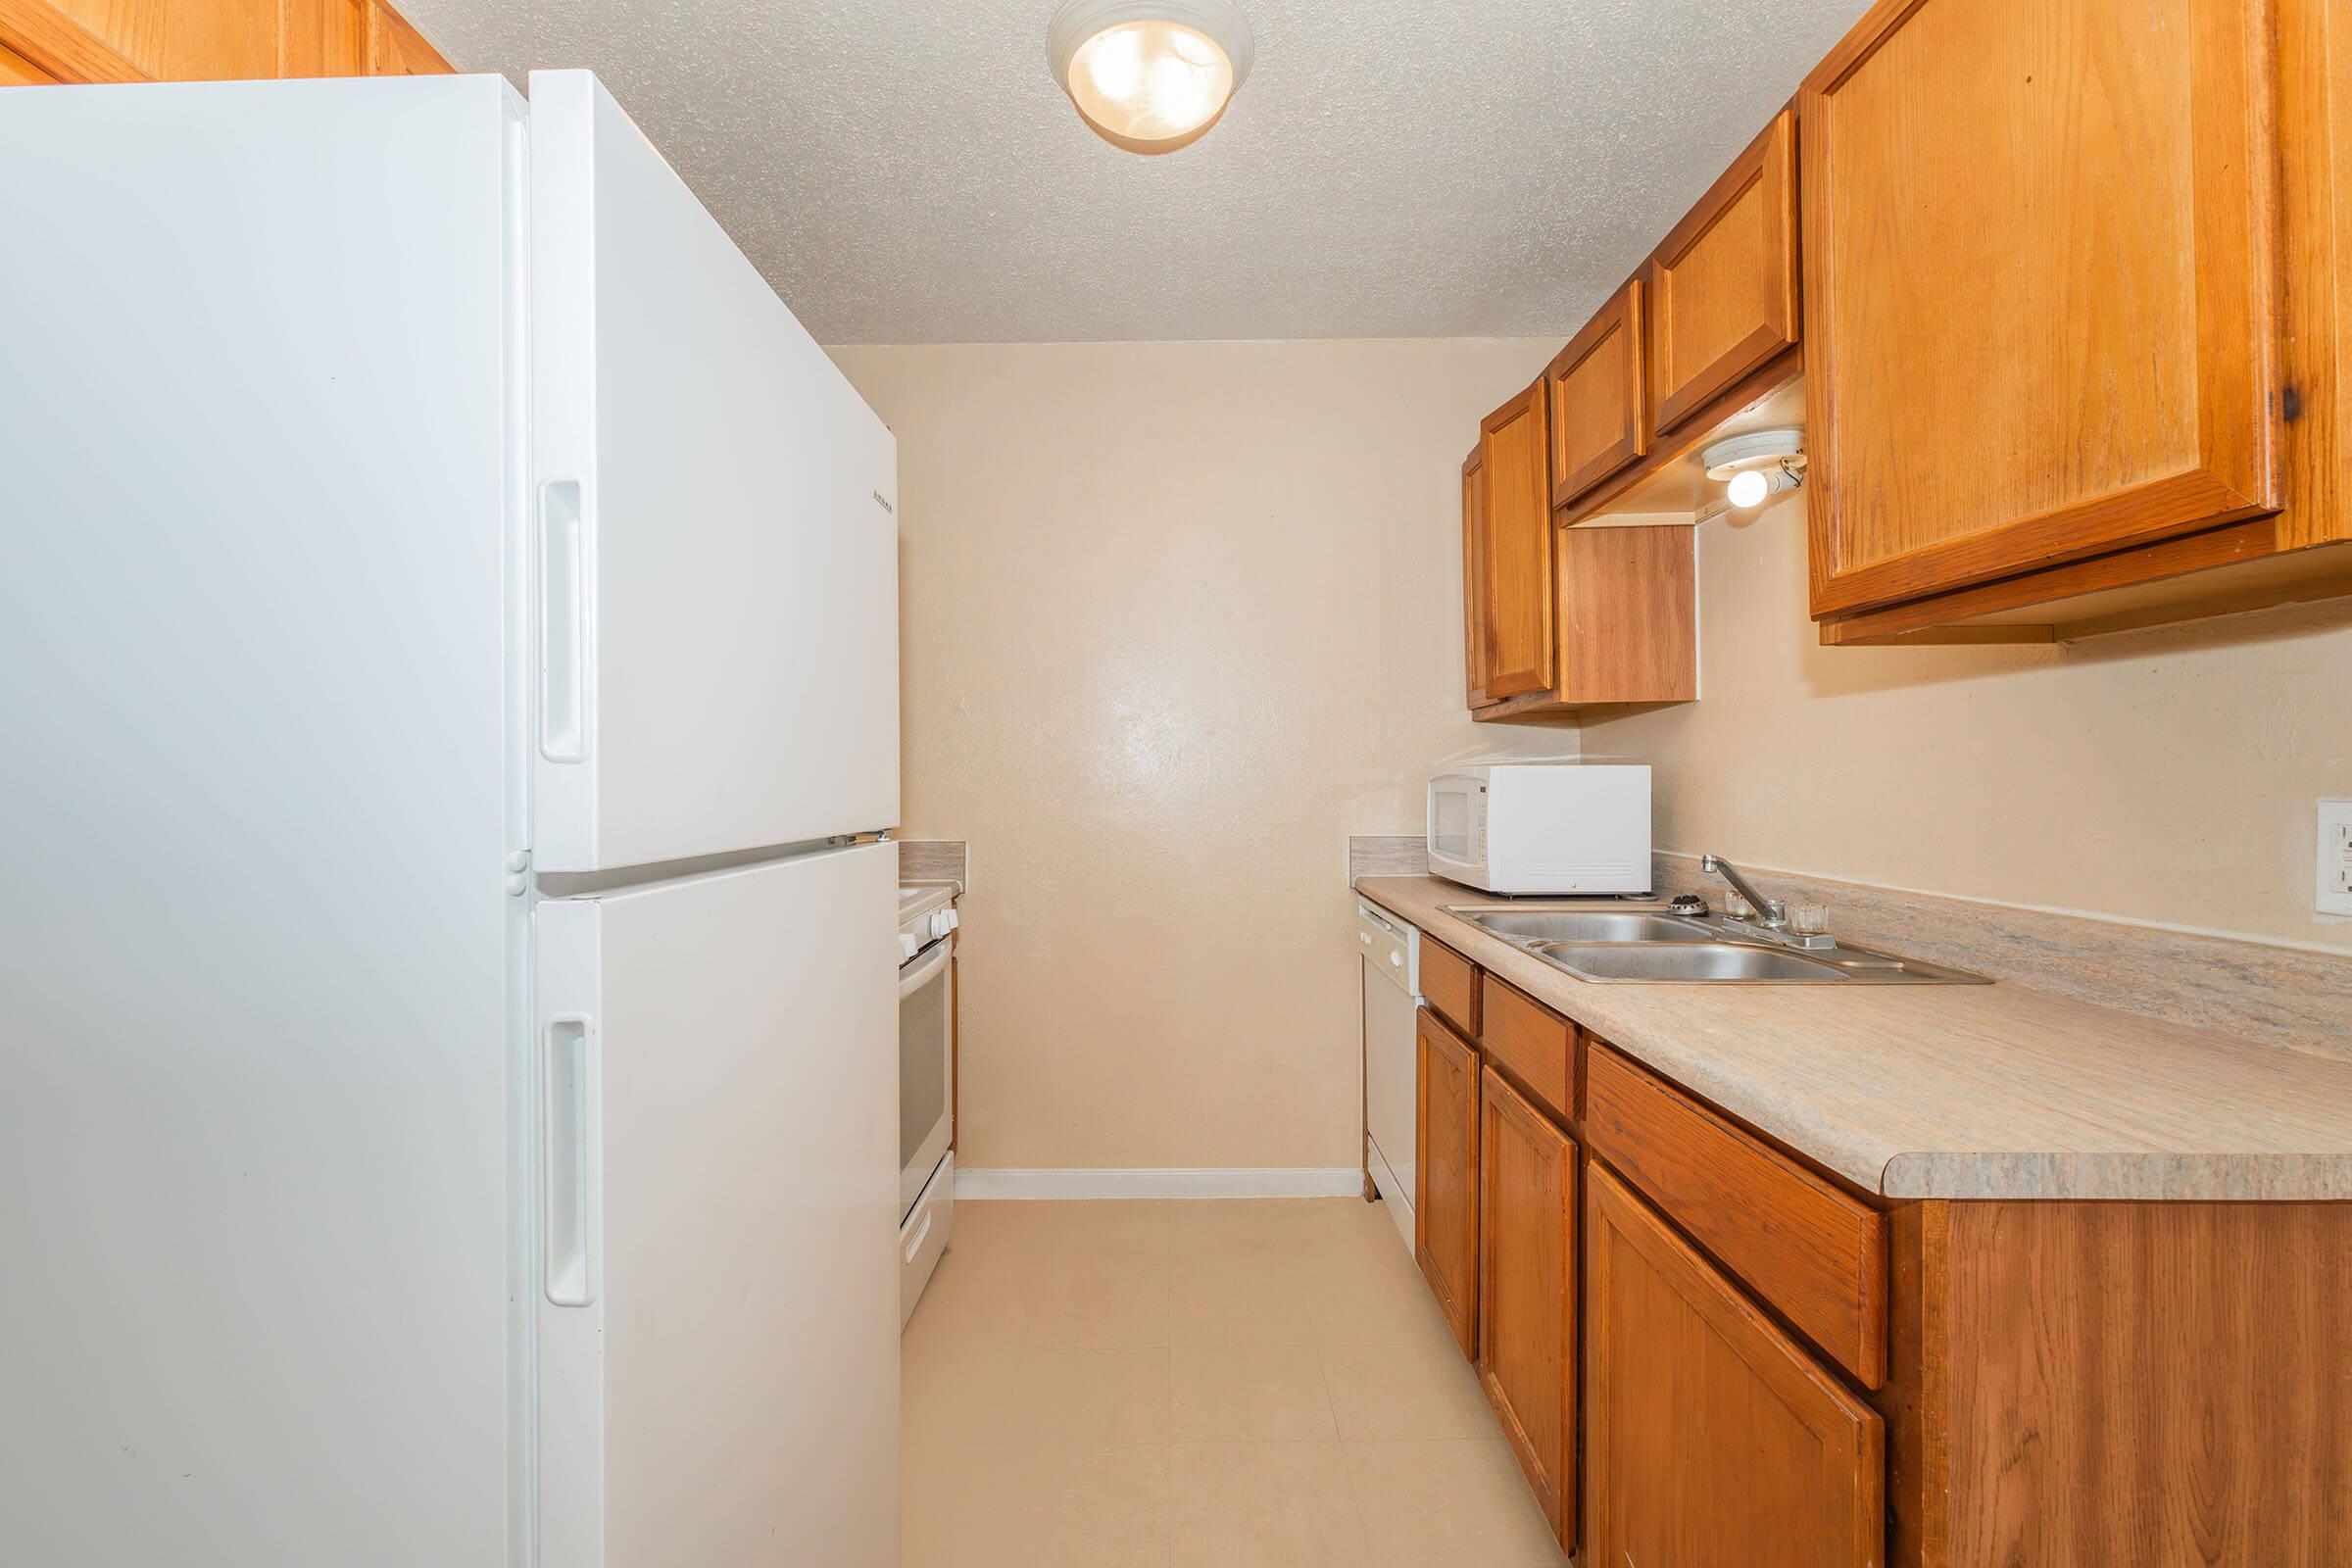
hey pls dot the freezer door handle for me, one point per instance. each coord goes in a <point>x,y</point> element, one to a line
<point>564,1121</point>
<point>563,631</point>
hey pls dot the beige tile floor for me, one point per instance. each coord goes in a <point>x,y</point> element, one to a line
<point>1197,1385</point>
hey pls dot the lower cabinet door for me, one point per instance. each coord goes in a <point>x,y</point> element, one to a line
<point>1446,1183</point>
<point>1527,1292</point>
<point>1711,1438</point>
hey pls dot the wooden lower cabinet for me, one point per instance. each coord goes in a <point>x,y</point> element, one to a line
<point>1712,1439</point>
<point>1445,1175</point>
<point>1526,1292</point>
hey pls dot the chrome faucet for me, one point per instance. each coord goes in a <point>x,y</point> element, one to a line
<point>1769,912</point>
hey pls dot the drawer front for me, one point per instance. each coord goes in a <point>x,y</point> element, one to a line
<point>1530,1043</point>
<point>1813,1253</point>
<point>1450,984</point>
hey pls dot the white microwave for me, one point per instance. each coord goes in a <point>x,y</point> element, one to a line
<point>1542,827</point>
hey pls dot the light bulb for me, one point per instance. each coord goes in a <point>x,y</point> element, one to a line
<point>1748,486</point>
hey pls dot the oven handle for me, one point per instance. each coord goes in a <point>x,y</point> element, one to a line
<point>920,972</point>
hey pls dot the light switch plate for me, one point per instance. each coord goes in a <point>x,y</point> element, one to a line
<point>2334,851</point>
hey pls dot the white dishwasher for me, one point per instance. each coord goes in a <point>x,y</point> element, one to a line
<point>1390,954</point>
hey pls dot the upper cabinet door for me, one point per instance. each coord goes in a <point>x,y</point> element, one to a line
<point>1598,395</point>
<point>1474,584</point>
<point>717,555</point>
<point>1516,541</point>
<point>1709,1435</point>
<point>1723,286</point>
<point>2039,287</point>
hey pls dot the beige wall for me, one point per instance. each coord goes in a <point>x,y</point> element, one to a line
<point>2164,776</point>
<point>1178,617</point>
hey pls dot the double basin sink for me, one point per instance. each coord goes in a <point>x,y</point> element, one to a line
<point>1654,944</point>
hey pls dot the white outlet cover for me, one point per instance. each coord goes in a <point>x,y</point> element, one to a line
<point>2333,851</point>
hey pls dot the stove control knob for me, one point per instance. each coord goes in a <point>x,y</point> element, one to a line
<point>943,921</point>
<point>908,946</point>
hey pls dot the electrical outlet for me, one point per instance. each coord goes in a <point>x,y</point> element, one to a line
<point>2335,884</point>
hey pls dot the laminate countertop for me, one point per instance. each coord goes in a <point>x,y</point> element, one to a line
<point>1984,1092</point>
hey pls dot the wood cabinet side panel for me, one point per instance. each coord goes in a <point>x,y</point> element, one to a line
<point>2150,1383</point>
<point>1629,614</point>
<point>1476,636</point>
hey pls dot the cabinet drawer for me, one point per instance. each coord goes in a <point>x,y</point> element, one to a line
<point>1815,1256</point>
<point>1450,984</point>
<point>1528,1040</point>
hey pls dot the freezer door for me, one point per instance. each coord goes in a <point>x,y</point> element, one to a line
<point>717,1273</point>
<point>253,768</point>
<point>717,576</point>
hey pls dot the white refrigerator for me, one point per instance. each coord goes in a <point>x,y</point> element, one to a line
<point>448,704</point>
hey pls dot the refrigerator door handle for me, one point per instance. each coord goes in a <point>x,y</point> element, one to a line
<point>564,629</point>
<point>567,1107</point>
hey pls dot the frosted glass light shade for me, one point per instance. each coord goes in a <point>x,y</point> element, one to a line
<point>1150,76</point>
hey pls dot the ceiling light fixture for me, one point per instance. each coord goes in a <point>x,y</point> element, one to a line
<point>1756,466</point>
<point>1150,76</point>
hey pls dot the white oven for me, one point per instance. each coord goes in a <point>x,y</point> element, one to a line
<point>926,1085</point>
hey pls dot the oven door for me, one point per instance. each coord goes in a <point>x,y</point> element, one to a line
<point>926,1068</point>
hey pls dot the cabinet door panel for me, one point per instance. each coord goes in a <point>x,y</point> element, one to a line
<point>1598,395</point>
<point>1527,1292</point>
<point>1474,585</point>
<point>2039,287</point>
<point>1445,1198</point>
<point>1711,1439</point>
<point>1722,285</point>
<point>1516,544</point>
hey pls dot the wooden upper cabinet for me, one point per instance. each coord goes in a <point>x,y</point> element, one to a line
<point>396,49</point>
<point>1514,543</point>
<point>1723,286</point>
<point>1710,1437</point>
<point>168,40</point>
<point>1445,1176</point>
<point>1527,1295</point>
<point>323,37</point>
<point>1474,585</point>
<point>207,40</point>
<point>1598,392</point>
<point>2040,286</point>
<point>18,71</point>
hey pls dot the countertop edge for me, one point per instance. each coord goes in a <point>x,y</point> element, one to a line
<point>1887,1167</point>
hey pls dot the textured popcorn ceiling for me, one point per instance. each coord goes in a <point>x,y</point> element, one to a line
<point>909,173</point>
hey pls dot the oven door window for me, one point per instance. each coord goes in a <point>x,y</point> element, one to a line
<point>925,1040</point>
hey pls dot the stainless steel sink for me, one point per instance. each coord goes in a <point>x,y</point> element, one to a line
<point>1646,943</point>
<point>1590,925</point>
<point>1686,960</point>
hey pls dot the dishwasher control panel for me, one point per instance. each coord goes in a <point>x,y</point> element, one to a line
<point>1388,945</point>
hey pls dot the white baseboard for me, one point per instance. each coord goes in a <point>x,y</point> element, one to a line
<point>1339,1180</point>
